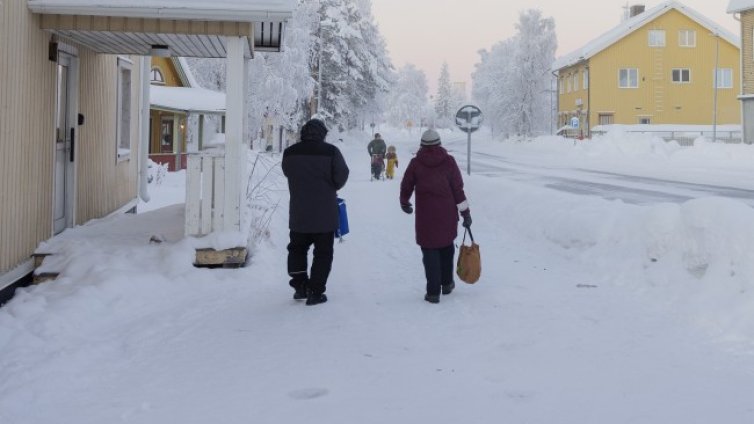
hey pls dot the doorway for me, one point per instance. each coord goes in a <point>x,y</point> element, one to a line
<point>65,142</point>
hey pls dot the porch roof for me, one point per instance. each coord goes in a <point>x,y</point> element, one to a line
<point>187,100</point>
<point>190,28</point>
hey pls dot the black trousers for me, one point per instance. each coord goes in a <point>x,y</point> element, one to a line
<point>298,255</point>
<point>438,267</point>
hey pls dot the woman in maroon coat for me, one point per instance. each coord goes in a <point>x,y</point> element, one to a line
<point>435,178</point>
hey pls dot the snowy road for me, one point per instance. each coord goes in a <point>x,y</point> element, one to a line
<point>633,189</point>
<point>137,335</point>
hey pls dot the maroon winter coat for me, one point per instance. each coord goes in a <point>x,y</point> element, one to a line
<point>434,175</point>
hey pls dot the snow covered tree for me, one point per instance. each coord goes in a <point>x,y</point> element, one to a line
<point>408,99</point>
<point>281,83</point>
<point>352,67</point>
<point>511,82</point>
<point>444,97</point>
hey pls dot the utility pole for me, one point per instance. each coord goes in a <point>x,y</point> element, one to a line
<point>715,84</point>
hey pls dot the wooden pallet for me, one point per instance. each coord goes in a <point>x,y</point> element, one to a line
<point>228,258</point>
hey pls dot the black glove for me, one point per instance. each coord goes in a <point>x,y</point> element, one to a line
<point>407,208</point>
<point>466,219</point>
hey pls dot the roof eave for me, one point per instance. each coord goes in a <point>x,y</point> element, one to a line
<point>242,15</point>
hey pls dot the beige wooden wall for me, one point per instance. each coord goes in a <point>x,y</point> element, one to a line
<point>104,184</point>
<point>27,92</point>
<point>27,145</point>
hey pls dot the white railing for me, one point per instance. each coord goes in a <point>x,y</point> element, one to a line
<point>205,193</point>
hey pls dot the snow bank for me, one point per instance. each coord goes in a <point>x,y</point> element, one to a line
<point>697,256</point>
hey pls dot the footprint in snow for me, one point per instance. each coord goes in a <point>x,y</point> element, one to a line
<point>307,394</point>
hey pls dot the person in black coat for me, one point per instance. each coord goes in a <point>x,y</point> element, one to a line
<point>315,170</point>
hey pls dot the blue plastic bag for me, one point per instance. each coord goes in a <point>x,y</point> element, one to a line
<point>342,219</point>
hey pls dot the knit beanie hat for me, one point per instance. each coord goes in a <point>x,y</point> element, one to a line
<point>314,130</point>
<point>430,138</point>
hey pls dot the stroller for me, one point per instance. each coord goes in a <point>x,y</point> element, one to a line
<point>378,167</point>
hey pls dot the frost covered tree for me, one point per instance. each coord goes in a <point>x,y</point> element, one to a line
<point>352,67</point>
<point>408,98</point>
<point>444,97</point>
<point>512,81</point>
<point>280,84</point>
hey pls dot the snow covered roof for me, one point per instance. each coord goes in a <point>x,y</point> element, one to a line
<point>221,10</point>
<point>736,6</point>
<point>184,71</point>
<point>630,25</point>
<point>187,99</point>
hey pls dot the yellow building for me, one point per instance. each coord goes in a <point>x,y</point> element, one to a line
<point>175,96</point>
<point>656,67</point>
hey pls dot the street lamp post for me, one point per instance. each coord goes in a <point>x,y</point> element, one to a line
<point>715,85</point>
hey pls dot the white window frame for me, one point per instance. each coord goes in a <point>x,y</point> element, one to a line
<point>576,81</point>
<point>687,38</point>
<point>721,80</point>
<point>628,78</point>
<point>569,84</point>
<point>586,79</point>
<point>561,85</point>
<point>680,81</point>
<point>123,111</point>
<point>156,71</point>
<point>655,42</point>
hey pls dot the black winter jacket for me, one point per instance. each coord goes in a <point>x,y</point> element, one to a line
<point>315,170</point>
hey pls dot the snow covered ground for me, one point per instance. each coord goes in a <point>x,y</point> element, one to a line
<point>593,307</point>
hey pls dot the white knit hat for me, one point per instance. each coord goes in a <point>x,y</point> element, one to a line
<point>430,138</point>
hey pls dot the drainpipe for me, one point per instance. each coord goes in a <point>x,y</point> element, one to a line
<point>146,67</point>
<point>557,102</point>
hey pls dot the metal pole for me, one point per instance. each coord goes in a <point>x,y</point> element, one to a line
<point>468,143</point>
<point>714,102</point>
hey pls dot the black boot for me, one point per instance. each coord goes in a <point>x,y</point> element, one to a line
<point>432,298</point>
<point>448,288</point>
<point>315,298</point>
<point>300,290</point>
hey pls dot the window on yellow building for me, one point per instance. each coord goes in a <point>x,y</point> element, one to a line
<point>682,75</point>
<point>586,79</point>
<point>569,84</point>
<point>656,38</point>
<point>645,121</point>
<point>561,86</point>
<point>575,82</point>
<point>606,118</point>
<point>724,78</point>
<point>628,78</point>
<point>157,77</point>
<point>687,38</point>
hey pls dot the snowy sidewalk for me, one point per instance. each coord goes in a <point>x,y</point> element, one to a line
<point>540,339</point>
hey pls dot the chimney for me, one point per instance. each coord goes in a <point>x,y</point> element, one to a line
<point>636,9</point>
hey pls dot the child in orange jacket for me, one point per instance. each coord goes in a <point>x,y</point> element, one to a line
<point>392,162</point>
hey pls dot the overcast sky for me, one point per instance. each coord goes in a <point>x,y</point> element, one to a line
<point>428,32</point>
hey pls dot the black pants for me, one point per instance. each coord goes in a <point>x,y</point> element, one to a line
<point>438,267</point>
<point>298,255</point>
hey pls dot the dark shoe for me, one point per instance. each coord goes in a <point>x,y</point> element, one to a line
<point>432,298</point>
<point>448,288</point>
<point>300,290</point>
<point>300,294</point>
<point>316,298</point>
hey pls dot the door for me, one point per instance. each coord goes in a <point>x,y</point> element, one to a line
<point>65,143</point>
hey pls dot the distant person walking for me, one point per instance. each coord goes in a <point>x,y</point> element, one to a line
<point>377,149</point>
<point>315,170</point>
<point>392,162</point>
<point>433,176</point>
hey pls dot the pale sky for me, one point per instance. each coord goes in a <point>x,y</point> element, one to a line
<point>428,32</point>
